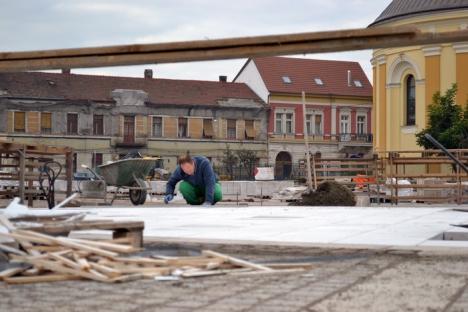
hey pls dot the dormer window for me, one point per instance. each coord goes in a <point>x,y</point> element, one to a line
<point>318,81</point>
<point>286,79</point>
<point>358,83</point>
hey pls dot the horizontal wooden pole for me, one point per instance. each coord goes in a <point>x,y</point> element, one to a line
<point>219,49</point>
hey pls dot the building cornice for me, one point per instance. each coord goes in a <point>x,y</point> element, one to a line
<point>461,47</point>
<point>432,51</point>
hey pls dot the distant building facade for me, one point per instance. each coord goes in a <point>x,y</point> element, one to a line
<point>103,118</point>
<point>338,107</point>
<point>406,78</point>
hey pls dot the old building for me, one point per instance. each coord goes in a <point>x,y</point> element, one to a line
<point>405,79</point>
<point>103,117</point>
<point>338,107</point>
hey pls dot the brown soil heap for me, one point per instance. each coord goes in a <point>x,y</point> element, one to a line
<point>328,193</point>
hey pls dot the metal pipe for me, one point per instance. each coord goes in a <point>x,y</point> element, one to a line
<point>443,149</point>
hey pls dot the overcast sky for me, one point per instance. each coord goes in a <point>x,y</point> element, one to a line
<point>51,24</point>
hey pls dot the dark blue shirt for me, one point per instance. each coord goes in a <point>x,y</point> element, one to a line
<point>203,177</point>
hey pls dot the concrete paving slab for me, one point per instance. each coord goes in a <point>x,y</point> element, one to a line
<point>403,227</point>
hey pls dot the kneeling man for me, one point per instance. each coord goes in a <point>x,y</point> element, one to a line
<point>199,185</point>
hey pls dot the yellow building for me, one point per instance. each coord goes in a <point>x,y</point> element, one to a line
<point>405,79</point>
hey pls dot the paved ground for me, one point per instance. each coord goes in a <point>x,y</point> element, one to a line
<point>381,226</point>
<point>340,281</point>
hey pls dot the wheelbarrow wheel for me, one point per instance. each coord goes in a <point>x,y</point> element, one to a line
<point>143,194</point>
<point>135,196</point>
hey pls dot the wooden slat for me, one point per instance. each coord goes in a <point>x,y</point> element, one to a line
<point>41,278</point>
<point>236,261</point>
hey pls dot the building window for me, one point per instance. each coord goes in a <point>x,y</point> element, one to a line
<point>208,132</point>
<point>410,101</point>
<point>358,83</point>
<point>344,125</point>
<point>361,124</point>
<point>157,127</point>
<point>20,122</point>
<point>249,130</point>
<point>286,79</point>
<point>97,159</point>
<point>314,124</point>
<point>284,123</point>
<point>289,123</point>
<point>279,123</point>
<point>231,129</point>
<point>98,125</point>
<point>46,123</point>
<point>182,128</point>
<point>72,123</point>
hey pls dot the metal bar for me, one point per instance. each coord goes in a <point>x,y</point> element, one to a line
<point>231,48</point>
<point>443,149</point>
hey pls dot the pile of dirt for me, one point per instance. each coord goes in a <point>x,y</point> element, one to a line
<point>328,193</point>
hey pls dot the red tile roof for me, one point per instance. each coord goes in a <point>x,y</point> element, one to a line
<point>99,88</point>
<point>302,73</point>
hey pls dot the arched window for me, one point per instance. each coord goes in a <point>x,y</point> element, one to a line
<point>410,101</point>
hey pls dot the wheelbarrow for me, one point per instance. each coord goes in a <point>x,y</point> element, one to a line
<point>127,174</point>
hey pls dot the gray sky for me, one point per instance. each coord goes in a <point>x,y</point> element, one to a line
<point>51,24</point>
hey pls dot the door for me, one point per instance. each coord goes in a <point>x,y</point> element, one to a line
<point>129,129</point>
<point>283,166</point>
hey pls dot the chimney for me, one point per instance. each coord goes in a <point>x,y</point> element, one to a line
<point>223,78</point>
<point>66,71</point>
<point>148,74</point>
<point>349,78</point>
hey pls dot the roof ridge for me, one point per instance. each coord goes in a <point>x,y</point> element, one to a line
<point>121,77</point>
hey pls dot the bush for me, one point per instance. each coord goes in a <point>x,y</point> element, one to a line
<point>329,193</point>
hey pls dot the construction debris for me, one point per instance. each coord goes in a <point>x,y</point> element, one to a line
<point>39,257</point>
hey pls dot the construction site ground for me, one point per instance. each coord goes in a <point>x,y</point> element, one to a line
<point>340,280</point>
<point>363,258</point>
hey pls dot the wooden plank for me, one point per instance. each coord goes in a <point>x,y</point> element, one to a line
<point>41,278</point>
<point>108,271</point>
<point>60,268</point>
<point>24,243</point>
<point>65,261</point>
<point>218,49</point>
<point>63,241</point>
<point>12,250</point>
<point>11,272</point>
<point>236,261</point>
<point>104,245</point>
<point>202,273</point>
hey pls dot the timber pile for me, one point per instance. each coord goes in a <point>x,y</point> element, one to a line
<point>45,258</point>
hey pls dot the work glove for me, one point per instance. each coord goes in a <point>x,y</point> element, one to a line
<point>168,198</point>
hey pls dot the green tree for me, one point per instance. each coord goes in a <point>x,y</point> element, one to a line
<point>247,159</point>
<point>448,122</point>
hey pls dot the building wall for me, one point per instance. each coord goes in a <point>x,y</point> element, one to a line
<point>251,76</point>
<point>168,146</point>
<point>330,108</point>
<point>435,67</point>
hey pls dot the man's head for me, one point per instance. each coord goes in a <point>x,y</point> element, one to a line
<point>186,164</point>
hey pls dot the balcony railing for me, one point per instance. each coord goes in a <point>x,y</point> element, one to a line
<point>342,137</point>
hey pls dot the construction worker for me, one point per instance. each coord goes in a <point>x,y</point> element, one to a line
<point>199,185</point>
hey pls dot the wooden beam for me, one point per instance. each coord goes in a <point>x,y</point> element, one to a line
<point>236,261</point>
<point>41,278</point>
<point>231,48</point>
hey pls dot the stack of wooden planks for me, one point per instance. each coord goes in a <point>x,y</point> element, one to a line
<point>43,258</point>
